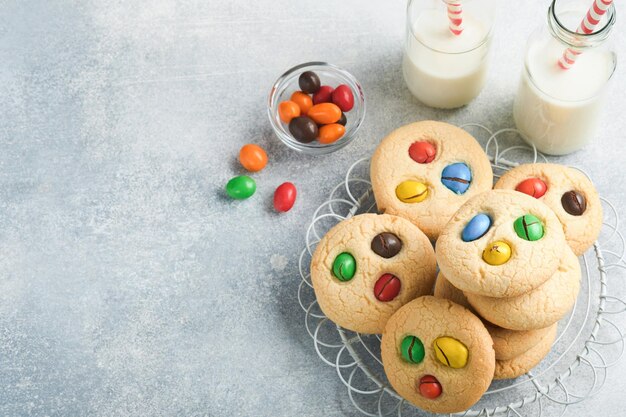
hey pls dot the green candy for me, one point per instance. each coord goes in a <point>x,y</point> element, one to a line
<point>344,267</point>
<point>412,349</point>
<point>528,227</point>
<point>240,187</point>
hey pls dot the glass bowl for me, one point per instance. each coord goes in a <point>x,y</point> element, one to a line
<point>329,75</point>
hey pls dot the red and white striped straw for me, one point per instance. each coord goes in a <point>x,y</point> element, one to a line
<point>587,26</point>
<point>455,14</point>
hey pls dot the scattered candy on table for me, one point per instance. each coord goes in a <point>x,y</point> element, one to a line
<point>252,157</point>
<point>285,197</point>
<point>320,116</point>
<point>241,187</point>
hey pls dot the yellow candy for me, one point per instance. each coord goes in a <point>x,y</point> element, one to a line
<point>411,192</point>
<point>451,352</point>
<point>497,253</point>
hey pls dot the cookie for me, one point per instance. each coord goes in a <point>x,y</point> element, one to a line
<point>538,308</point>
<point>507,344</point>
<point>568,192</point>
<point>437,355</point>
<point>523,363</point>
<point>367,267</point>
<point>500,243</point>
<point>425,171</point>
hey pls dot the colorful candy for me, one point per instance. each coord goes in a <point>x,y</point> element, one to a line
<point>574,203</point>
<point>342,120</point>
<point>497,253</point>
<point>252,157</point>
<point>450,352</point>
<point>303,100</point>
<point>324,113</point>
<point>528,227</point>
<point>303,129</point>
<point>387,287</point>
<point>240,187</point>
<point>309,82</point>
<point>422,152</point>
<point>457,177</point>
<point>331,133</point>
<point>323,95</point>
<point>429,387</point>
<point>287,110</point>
<point>386,245</point>
<point>412,349</point>
<point>343,97</point>
<point>476,228</point>
<point>344,267</point>
<point>284,197</point>
<point>534,187</point>
<point>411,191</point>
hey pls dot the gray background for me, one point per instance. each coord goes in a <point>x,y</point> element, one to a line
<point>129,285</point>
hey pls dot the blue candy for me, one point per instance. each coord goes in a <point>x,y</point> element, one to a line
<point>476,228</point>
<point>457,177</point>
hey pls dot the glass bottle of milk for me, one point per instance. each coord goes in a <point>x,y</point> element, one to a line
<point>559,110</point>
<point>443,69</point>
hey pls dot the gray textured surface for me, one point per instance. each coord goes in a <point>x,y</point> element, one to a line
<point>129,285</point>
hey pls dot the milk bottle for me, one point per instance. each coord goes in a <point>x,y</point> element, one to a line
<point>443,69</point>
<point>559,110</point>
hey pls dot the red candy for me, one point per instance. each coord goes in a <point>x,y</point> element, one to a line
<point>429,387</point>
<point>284,197</point>
<point>534,187</point>
<point>387,287</point>
<point>422,152</point>
<point>343,97</point>
<point>323,95</point>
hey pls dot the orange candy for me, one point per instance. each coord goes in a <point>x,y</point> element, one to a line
<point>330,133</point>
<point>303,100</point>
<point>252,157</point>
<point>287,110</point>
<point>325,113</point>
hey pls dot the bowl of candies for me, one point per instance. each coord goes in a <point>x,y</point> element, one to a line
<point>316,108</point>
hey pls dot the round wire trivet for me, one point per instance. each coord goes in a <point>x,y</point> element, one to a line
<point>588,341</point>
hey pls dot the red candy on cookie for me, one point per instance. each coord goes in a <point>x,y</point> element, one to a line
<point>534,187</point>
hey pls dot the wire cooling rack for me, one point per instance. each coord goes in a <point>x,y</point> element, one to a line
<point>589,340</point>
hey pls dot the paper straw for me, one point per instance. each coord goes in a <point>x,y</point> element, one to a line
<point>587,26</point>
<point>455,14</point>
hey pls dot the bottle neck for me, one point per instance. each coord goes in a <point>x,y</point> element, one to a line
<point>569,35</point>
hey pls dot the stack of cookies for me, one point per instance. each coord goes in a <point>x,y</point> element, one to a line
<point>508,270</point>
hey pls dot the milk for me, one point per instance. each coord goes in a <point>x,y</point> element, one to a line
<point>441,69</point>
<point>559,111</point>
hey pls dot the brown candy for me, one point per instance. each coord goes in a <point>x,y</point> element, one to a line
<point>574,203</point>
<point>386,245</point>
<point>303,129</point>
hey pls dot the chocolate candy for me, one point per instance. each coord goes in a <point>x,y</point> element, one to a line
<point>534,187</point>
<point>457,177</point>
<point>342,120</point>
<point>303,100</point>
<point>344,267</point>
<point>387,287</point>
<point>343,97</point>
<point>422,152</point>
<point>331,133</point>
<point>324,113</point>
<point>429,387</point>
<point>450,352</point>
<point>386,245</point>
<point>528,227</point>
<point>574,203</point>
<point>287,110</point>
<point>252,157</point>
<point>309,82</point>
<point>411,191</point>
<point>476,228</point>
<point>303,129</point>
<point>323,95</point>
<point>412,349</point>
<point>284,197</point>
<point>240,187</point>
<point>497,253</point>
